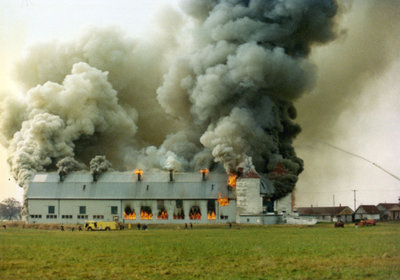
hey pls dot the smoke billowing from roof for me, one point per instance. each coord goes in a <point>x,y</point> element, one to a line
<point>215,87</point>
<point>69,164</point>
<point>99,165</point>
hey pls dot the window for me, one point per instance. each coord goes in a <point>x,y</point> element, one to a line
<point>51,216</point>
<point>36,216</point>
<point>114,209</point>
<point>51,209</point>
<point>82,209</point>
<point>146,213</point>
<point>178,213</point>
<point>160,204</point>
<point>66,216</point>
<point>211,209</point>
<point>195,213</point>
<point>82,217</point>
<point>98,217</point>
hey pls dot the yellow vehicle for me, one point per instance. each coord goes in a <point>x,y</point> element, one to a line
<point>100,225</point>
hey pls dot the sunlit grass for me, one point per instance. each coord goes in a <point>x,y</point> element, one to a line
<point>243,252</point>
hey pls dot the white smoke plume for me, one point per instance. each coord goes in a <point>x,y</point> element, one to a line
<point>216,89</point>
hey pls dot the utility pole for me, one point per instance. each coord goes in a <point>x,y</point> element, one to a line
<point>355,200</point>
<point>333,200</point>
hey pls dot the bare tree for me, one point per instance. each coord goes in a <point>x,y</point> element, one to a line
<point>10,208</point>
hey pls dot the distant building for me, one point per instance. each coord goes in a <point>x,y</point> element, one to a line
<point>152,197</point>
<point>367,212</point>
<point>389,211</point>
<point>327,214</point>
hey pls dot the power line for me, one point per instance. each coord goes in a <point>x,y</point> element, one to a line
<point>363,158</point>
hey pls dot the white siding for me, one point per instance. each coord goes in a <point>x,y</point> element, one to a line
<point>69,207</point>
<point>284,204</point>
<point>248,198</point>
<point>367,216</point>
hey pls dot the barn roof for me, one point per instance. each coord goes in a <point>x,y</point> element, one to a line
<point>368,209</point>
<point>324,211</point>
<point>125,185</point>
<point>387,206</point>
<point>396,208</point>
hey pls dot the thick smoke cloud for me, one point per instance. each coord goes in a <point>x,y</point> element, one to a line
<point>345,95</point>
<point>211,94</point>
<point>248,63</point>
<point>367,47</point>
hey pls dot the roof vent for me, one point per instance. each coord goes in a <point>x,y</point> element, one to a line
<point>204,172</point>
<point>139,173</point>
<point>62,175</point>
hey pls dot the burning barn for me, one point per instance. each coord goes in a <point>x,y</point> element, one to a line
<point>222,98</point>
<point>153,197</point>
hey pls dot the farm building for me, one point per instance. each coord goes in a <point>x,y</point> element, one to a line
<point>327,214</point>
<point>153,197</point>
<point>367,212</point>
<point>389,211</point>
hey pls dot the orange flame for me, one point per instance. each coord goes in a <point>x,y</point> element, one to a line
<point>211,216</point>
<point>223,201</point>
<point>195,216</point>
<point>131,216</point>
<point>195,213</point>
<point>204,171</point>
<point>146,216</point>
<point>179,216</point>
<point>163,215</point>
<point>232,180</point>
<point>138,172</point>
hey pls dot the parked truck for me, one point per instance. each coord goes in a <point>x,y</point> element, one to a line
<point>100,225</point>
<point>370,222</point>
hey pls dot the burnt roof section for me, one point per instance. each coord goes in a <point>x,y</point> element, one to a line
<point>266,187</point>
<point>322,211</point>
<point>368,209</point>
<point>250,174</point>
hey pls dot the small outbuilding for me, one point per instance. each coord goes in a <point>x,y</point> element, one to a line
<point>367,212</point>
<point>394,213</point>
<point>327,214</point>
<point>389,211</point>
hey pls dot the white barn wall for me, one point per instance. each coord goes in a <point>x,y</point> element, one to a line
<point>248,198</point>
<point>122,189</point>
<point>284,204</point>
<point>103,207</point>
<point>71,207</point>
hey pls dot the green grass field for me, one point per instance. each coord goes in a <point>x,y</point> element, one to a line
<point>167,252</point>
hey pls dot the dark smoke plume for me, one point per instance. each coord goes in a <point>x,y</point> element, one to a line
<point>212,92</point>
<point>99,165</point>
<point>67,165</point>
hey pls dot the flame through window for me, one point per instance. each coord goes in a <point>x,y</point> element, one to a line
<point>195,213</point>
<point>129,213</point>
